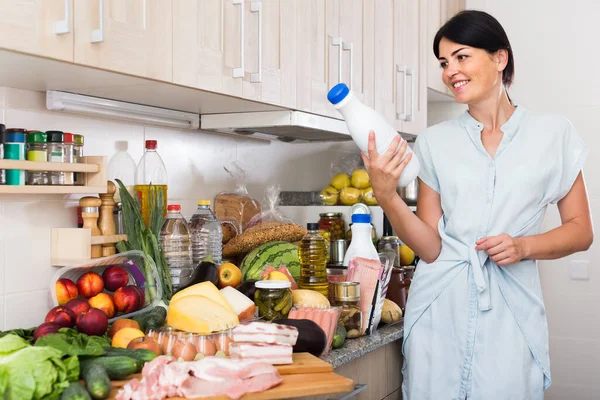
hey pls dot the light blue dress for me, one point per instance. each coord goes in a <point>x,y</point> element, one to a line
<point>474,330</point>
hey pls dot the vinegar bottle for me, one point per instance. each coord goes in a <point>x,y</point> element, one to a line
<point>361,119</point>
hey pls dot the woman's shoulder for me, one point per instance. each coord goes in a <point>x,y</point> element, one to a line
<point>548,121</point>
<point>442,129</point>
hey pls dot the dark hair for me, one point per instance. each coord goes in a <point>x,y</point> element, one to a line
<point>480,30</point>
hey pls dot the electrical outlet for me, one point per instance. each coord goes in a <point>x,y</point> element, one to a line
<point>579,270</point>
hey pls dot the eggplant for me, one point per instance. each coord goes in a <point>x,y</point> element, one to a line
<point>205,271</point>
<point>311,338</point>
<point>247,288</point>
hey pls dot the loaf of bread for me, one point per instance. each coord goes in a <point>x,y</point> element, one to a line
<point>251,239</point>
<point>236,206</point>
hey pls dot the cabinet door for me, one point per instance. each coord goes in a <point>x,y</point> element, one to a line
<point>41,27</point>
<point>411,66</point>
<point>270,60</point>
<point>312,74</point>
<point>434,23</point>
<point>130,36</point>
<point>351,32</point>
<point>384,60</point>
<point>368,50</point>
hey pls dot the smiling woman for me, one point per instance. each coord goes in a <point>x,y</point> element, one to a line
<point>475,323</point>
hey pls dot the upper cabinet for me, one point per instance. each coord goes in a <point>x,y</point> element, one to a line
<point>438,12</point>
<point>41,27</point>
<point>129,36</point>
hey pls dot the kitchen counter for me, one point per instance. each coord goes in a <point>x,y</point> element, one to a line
<point>355,348</point>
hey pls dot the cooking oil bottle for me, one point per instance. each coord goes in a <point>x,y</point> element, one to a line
<point>150,177</point>
<point>313,261</point>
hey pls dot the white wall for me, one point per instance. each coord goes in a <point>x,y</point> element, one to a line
<point>555,46</point>
<point>194,162</point>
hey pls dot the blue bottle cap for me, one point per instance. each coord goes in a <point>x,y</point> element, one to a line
<point>14,137</point>
<point>361,218</point>
<point>338,93</point>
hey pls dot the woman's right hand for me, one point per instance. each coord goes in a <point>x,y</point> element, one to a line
<point>385,169</point>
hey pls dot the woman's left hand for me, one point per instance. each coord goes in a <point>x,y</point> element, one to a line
<point>502,249</point>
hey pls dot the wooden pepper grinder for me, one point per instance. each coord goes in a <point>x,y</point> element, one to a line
<point>89,213</point>
<point>107,220</point>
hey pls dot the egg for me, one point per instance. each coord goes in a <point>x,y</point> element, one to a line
<point>185,351</point>
<point>205,346</point>
<point>223,342</point>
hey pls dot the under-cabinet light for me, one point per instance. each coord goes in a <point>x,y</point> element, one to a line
<point>96,106</point>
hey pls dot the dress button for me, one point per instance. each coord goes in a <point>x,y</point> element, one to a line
<point>472,315</point>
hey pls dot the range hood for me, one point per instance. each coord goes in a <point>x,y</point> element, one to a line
<point>284,125</point>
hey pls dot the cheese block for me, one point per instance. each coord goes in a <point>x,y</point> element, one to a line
<point>206,289</point>
<point>242,305</point>
<point>199,314</point>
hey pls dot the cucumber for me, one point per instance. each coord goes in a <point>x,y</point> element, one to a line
<point>96,380</point>
<point>153,319</point>
<point>75,391</point>
<point>117,367</point>
<point>143,355</point>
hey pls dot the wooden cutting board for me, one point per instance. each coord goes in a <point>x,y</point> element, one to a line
<point>304,363</point>
<point>293,386</point>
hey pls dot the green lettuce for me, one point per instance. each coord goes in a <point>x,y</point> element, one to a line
<point>72,343</point>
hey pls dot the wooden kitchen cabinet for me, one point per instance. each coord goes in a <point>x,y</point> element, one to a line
<point>129,36</point>
<point>438,12</point>
<point>40,27</point>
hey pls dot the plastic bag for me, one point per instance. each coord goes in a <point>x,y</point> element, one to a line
<point>349,183</point>
<point>236,205</point>
<point>271,215</point>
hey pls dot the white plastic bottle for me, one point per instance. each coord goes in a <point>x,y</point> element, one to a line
<point>361,244</point>
<point>362,119</point>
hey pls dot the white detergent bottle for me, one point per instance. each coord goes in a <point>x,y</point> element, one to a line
<point>362,243</point>
<point>362,119</point>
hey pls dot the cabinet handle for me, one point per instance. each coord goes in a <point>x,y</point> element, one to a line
<point>337,41</point>
<point>256,7</point>
<point>239,72</point>
<point>409,72</point>
<point>401,115</point>
<point>98,34</point>
<point>64,26</point>
<point>348,47</point>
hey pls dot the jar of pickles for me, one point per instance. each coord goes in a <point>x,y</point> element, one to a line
<point>273,299</point>
<point>334,223</point>
<point>347,296</point>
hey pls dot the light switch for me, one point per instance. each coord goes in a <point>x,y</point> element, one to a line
<point>579,270</point>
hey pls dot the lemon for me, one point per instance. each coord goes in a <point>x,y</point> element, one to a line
<point>407,256</point>
<point>360,179</point>
<point>340,181</point>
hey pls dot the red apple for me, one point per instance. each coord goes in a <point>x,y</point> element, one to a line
<point>65,290</point>
<point>142,297</point>
<point>127,299</point>
<point>62,316</point>
<point>93,322</point>
<point>90,284</point>
<point>45,329</point>
<point>78,306</point>
<point>115,277</point>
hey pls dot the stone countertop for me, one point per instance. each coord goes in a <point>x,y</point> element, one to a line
<point>355,348</point>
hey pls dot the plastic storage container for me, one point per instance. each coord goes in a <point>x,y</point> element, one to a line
<point>362,119</point>
<point>191,346</point>
<point>273,299</point>
<point>134,262</point>
<point>206,234</point>
<point>176,245</point>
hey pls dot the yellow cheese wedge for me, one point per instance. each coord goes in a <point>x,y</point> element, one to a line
<point>199,314</point>
<point>206,289</point>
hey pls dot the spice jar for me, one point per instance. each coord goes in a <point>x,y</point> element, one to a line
<point>37,151</point>
<point>55,154</point>
<point>2,174</point>
<point>347,296</point>
<point>68,147</point>
<point>14,149</point>
<point>334,223</point>
<point>78,158</point>
<point>273,299</point>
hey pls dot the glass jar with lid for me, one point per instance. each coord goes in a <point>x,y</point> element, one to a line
<point>334,224</point>
<point>56,153</point>
<point>37,151</point>
<point>2,175</point>
<point>69,147</point>
<point>78,158</point>
<point>347,296</point>
<point>273,299</point>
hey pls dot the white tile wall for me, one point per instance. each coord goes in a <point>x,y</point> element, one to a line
<point>555,66</point>
<point>194,162</point>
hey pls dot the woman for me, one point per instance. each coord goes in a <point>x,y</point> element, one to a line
<point>475,324</point>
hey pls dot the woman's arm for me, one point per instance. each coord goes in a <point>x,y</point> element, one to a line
<point>420,232</point>
<point>575,233</point>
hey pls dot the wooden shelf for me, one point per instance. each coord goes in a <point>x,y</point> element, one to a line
<point>48,166</point>
<point>40,189</point>
<point>109,239</point>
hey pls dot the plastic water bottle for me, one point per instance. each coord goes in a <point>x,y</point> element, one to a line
<point>361,244</point>
<point>362,119</point>
<point>175,243</point>
<point>122,167</point>
<point>206,234</point>
<point>313,256</point>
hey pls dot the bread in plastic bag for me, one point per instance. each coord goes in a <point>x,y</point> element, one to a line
<point>236,205</point>
<point>271,215</point>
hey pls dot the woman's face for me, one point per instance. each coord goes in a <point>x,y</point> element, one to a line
<point>472,74</point>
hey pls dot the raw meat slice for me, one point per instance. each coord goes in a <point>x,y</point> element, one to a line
<point>265,332</point>
<point>276,354</point>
